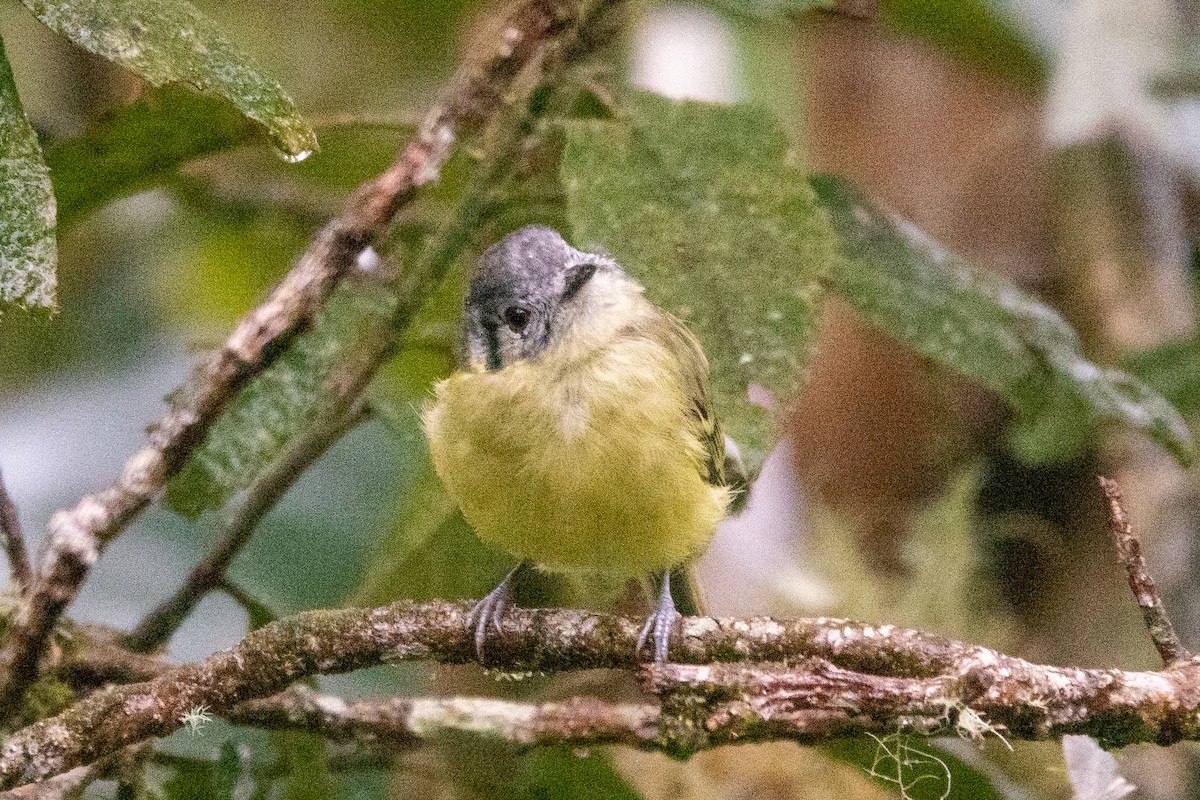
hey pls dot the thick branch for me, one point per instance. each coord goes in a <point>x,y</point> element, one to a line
<point>1129,550</point>
<point>13,541</point>
<point>855,677</point>
<point>402,723</point>
<point>77,537</point>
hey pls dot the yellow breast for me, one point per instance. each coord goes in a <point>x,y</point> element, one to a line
<point>580,461</point>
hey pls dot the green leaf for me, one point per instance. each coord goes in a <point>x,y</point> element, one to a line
<point>165,41</point>
<point>983,327</point>
<point>702,204</point>
<point>1173,370</point>
<point>135,147</point>
<point>28,252</point>
<point>281,403</point>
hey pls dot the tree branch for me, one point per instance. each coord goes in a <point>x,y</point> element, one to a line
<point>853,677</point>
<point>14,541</point>
<point>77,537</point>
<point>267,490</point>
<point>1129,550</point>
<point>402,723</point>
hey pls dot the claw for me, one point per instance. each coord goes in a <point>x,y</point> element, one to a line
<point>491,609</point>
<point>660,623</point>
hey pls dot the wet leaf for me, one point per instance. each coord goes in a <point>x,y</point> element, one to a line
<point>28,251</point>
<point>165,41</point>
<point>983,327</point>
<point>702,205</point>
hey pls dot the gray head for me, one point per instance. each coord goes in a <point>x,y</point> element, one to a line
<point>522,293</point>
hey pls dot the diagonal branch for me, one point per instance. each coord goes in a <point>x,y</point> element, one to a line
<point>77,537</point>
<point>833,677</point>
<point>1129,550</point>
<point>13,541</point>
<point>158,626</point>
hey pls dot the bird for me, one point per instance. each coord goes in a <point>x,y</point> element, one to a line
<point>578,433</point>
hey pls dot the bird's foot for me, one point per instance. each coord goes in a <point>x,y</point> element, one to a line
<point>659,624</point>
<point>489,610</point>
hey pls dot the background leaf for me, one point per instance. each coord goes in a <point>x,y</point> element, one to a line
<point>169,40</point>
<point>983,327</point>
<point>701,204</point>
<point>126,151</point>
<point>283,401</point>
<point>1173,370</point>
<point>28,252</point>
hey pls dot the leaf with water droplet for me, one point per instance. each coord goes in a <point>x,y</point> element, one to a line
<point>980,325</point>
<point>702,204</point>
<point>28,253</point>
<point>165,41</point>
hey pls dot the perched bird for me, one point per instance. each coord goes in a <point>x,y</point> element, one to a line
<point>579,433</point>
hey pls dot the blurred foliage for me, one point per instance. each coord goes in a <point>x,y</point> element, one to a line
<point>1173,370</point>
<point>165,41</point>
<point>982,326</point>
<point>707,205</point>
<point>291,395</point>
<point>769,9</point>
<point>732,243</point>
<point>977,31</point>
<point>27,245</point>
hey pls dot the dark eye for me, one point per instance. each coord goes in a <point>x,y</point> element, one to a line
<point>516,317</point>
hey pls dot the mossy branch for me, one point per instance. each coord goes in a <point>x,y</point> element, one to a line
<point>807,680</point>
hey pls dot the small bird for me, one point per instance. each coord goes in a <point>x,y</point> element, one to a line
<point>579,434</point>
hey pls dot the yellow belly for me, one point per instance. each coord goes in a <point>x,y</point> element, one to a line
<point>591,468</point>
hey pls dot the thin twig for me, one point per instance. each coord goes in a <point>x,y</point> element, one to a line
<point>254,607</point>
<point>830,678</point>
<point>14,541</point>
<point>1129,550</point>
<point>262,495</point>
<point>77,537</point>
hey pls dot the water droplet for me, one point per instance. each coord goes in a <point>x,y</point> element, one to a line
<point>368,260</point>
<point>293,158</point>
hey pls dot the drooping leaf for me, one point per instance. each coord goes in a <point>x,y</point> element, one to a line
<point>1173,370</point>
<point>702,205</point>
<point>165,41</point>
<point>280,404</point>
<point>983,327</point>
<point>131,148</point>
<point>28,252</point>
